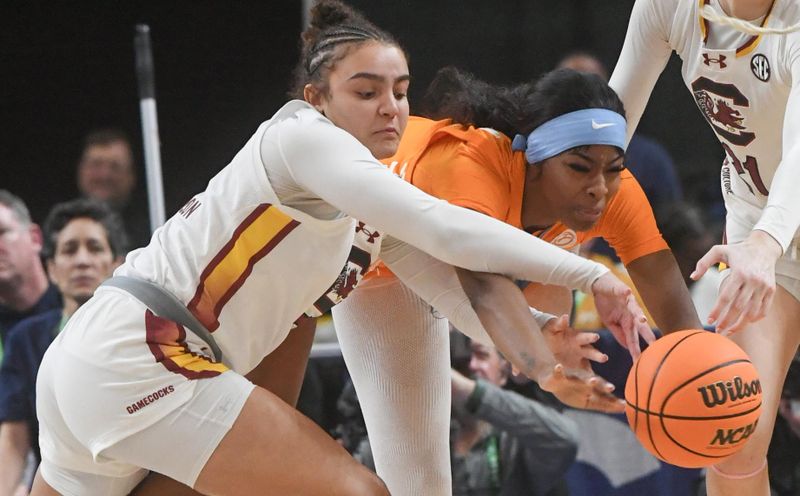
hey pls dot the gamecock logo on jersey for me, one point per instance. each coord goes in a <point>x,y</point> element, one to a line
<point>354,269</point>
<point>719,102</point>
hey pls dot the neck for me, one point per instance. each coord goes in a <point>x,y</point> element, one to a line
<point>746,9</point>
<point>70,306</point>
<point>535,212</point>
<point>22,295</point>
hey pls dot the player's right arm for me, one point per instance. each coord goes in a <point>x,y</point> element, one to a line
<point>644,55</point>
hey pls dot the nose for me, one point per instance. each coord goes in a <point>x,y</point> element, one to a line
<point>83,257</point>
<point>598,188</point>
<point>389,106</point>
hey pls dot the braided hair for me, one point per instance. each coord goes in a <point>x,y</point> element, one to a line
<point>335,28</point>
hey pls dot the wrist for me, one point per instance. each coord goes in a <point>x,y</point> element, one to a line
<point>476,396</point>
<point>766,243</point>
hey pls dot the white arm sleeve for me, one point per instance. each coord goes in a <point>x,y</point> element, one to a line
<point>329,162</point>
<point>644,55</point>
<point>781,217</point>
<point>437,283</point>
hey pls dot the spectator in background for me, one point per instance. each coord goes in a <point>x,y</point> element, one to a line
<point>106,172</point>
<point>684,229</point>
<point>24,288</point>
<point>502,443</point>
<point>83,243</point>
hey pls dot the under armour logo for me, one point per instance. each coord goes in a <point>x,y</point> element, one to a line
<point>371,235</point>
<point>707,60</point>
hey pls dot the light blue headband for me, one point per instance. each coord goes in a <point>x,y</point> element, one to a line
<point>592,126</point>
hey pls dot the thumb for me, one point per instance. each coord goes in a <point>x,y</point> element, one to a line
<point>715,255</point>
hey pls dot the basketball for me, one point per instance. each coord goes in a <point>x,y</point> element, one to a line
<point>693,398</point>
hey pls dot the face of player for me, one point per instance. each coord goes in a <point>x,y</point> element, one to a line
<point>105,173</point>
<point>486,363</point>
<point>575,186</point>
<point>82,260</point>
<point>367,96</point>
<point>20,246</point>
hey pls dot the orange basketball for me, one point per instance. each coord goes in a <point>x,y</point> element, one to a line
<point>693,398</point>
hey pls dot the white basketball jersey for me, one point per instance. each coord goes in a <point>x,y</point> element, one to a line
<point>247,266</point>
<point>741,84</point>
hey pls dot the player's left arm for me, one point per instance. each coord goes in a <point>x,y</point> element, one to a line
<point>630,227</point>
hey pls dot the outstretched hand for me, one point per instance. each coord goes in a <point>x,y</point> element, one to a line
<point>620,313</point>
<point>746,294</point>
<point>570,347</point>
<point>581,389</point>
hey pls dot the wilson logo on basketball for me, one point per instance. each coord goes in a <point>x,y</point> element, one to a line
<point>720,392</point>
<point>733,436</point>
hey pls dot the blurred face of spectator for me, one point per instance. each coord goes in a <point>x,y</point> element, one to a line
<point>20,245</point>
<point>487,364</point>
<point>106,173</point>
<point>584,63</point>
<point>81,261</point>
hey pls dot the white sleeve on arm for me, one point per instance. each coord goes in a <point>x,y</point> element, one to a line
<point>644,55</point>
<point>781,217</point>
<point>330,163</point>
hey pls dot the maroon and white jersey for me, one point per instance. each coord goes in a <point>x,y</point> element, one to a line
<point>745,86</point>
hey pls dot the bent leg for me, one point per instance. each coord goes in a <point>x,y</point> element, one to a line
<point>274,450</point>
<point>397,353</point>
<point>281,372</point>
<point>771,344</point>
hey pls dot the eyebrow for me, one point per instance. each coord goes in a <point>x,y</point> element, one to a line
<point>590,159</point>
<point>375,77</point>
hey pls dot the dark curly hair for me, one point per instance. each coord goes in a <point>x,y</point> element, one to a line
<point>64,213</point>
<point>518,109</point>
<point>333,30</point>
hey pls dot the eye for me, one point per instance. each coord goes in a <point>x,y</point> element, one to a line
<point>579,167</point>
<point>366,95</point>
<point>399,95</point>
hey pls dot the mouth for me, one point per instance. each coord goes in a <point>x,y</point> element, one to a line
<point>592,214</point>
<point>388,131</point>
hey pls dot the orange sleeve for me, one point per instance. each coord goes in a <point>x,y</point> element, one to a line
<point>451,170</point>
<point>628,224</point>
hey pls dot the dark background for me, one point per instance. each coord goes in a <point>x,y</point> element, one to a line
<point>224,67</point>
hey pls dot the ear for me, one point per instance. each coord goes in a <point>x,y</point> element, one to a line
<point>117,262</point>
<point>313,96</point>
<point>50,269</point>
<point>37,238</point>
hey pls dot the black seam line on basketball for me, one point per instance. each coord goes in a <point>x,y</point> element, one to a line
<point>664,405</point>
<point>653,384</point>
<point>664,428</point>
<point>701,374</point>
<point>681,417</point>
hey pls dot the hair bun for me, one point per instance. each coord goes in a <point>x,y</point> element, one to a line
<point>329,13</point>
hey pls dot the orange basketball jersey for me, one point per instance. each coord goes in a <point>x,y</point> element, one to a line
<point>475,168</point>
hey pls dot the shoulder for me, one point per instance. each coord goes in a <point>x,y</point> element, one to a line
<point>300,126</point>
<point>33,329</point>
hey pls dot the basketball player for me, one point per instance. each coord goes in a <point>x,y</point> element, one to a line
<point>124,389</point>
<point>562,180</point>
<point>741,63</point>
